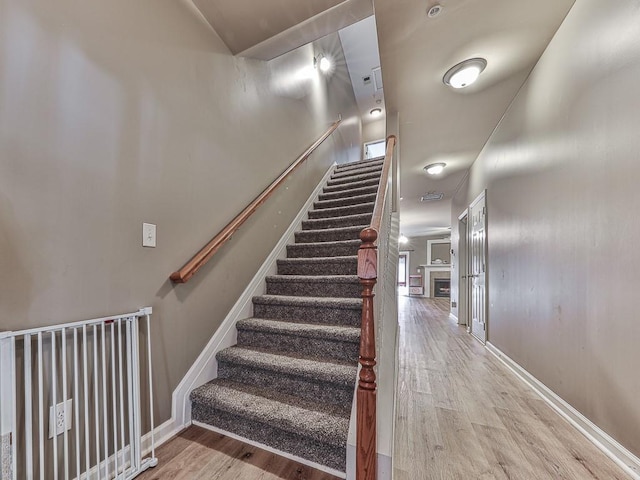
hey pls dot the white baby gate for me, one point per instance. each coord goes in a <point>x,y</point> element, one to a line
<point>71,402</point>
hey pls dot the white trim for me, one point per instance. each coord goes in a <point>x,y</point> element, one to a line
<point>609,446</point>
<point>289,456</point>
<point>205,368</point>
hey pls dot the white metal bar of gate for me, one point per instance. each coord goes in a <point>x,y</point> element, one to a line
<point>82,376</point>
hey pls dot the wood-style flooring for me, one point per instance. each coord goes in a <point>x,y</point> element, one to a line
<point>461,414</point>
<point>201,454</point>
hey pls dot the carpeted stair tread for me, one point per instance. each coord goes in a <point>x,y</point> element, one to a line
<point>347,286</point>
<point>345,201</point>
<point>341,211</point>
<point>275,409</point>
<point>308,330</point>
<point>347,265</point>
<point>353,178</point>
<point>342,303</point>
<point>349,193</point>
<point>330,372</point>
<point>339,248</point>
<point>363,163</point>
<point>335,222</point>
<point>329,234</point>
<point>351,186</point>
<point>360,171</point>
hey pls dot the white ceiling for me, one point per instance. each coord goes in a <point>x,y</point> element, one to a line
<point>436,123</point>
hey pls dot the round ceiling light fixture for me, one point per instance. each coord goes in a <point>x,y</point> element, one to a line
<point>376,112</point>
<point>435,168</point>
<point>464,73</point>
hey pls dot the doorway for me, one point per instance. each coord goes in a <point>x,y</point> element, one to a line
<point>477,273</point>
<point>463,270</point>
<point>403,273</point>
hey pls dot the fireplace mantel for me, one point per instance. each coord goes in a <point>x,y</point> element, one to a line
<point>428,270</point>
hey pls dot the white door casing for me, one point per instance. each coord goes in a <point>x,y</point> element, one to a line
<point>477,230</point>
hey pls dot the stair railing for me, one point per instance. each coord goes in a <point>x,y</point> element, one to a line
<point>204,255</point>
<point>72,398</point>
<point>368,271</point>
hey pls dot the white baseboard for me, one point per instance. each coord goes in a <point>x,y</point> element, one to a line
<point>205,368</point>
<point>609,446</point>
<point>317,466</point>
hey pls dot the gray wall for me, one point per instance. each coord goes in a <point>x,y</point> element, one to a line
<point>117,113</point>
<point>561,173</point>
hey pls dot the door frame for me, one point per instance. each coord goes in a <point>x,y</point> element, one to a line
<point>463,270</point>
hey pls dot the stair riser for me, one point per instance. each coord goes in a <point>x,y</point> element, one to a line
<point>342,268</point>
<point>317,315</point>
<point>325,249</point>
<point>341,211</point>
<point>353,178</point>
<point>344,202</point>
<point>332,456</point>
<point>290,344</point>
<point>309,289</point>
<point>349,193</point>
<point>351,186</point>
<point>359,171</point>
<point>336,222</point>
<point>289,384</point>
<point>358,166</point>
<point>327,235</point>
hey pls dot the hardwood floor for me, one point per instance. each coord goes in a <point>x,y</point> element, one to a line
<point>197,453</point>
<point>462,414</point>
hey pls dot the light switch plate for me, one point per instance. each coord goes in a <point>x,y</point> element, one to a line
<point>148,235</point>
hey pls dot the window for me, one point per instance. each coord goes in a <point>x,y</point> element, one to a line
<point>402,271</point>
<point>374,149</point>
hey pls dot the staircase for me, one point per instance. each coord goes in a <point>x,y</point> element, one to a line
<point>289,381</point>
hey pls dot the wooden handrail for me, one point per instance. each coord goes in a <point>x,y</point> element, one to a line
<point>204,255</point>
<point>366,436</point>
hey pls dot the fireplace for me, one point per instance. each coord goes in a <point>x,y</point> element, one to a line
<point>441,287</point>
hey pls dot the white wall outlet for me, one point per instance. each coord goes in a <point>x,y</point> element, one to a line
<point>148,235</point>
<point>60,418</point>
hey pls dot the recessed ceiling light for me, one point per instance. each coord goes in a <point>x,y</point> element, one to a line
<point>464,73</point>
<point>376,112</point>
<point>435,168</point>
<point>434,11</point>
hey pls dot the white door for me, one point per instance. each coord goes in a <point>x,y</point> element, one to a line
<point>463,267</point>
<point>477,228</point>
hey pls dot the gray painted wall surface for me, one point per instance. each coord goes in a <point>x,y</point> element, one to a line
<point>117,113</point>
<point>561,173</point>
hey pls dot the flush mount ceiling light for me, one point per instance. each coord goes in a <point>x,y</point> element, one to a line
<point>435,168</point>
<point>376,112</point>
<point>322,62</point>
<point>465,73</point>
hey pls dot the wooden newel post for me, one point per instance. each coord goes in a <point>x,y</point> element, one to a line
<point>366,438</point>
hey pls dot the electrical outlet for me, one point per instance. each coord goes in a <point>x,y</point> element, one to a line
<point>60,418</point>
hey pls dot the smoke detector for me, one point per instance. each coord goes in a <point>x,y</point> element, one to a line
<point>431,197</point>
<point>435,11</point>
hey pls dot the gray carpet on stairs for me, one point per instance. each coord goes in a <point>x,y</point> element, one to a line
<point>289,381</point>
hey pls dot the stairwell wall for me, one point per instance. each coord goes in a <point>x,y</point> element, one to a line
<point>117,113</point>
<point>561,174</point>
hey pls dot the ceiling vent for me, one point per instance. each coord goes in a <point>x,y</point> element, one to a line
<point>431,197</point>
<point>377,79</point>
